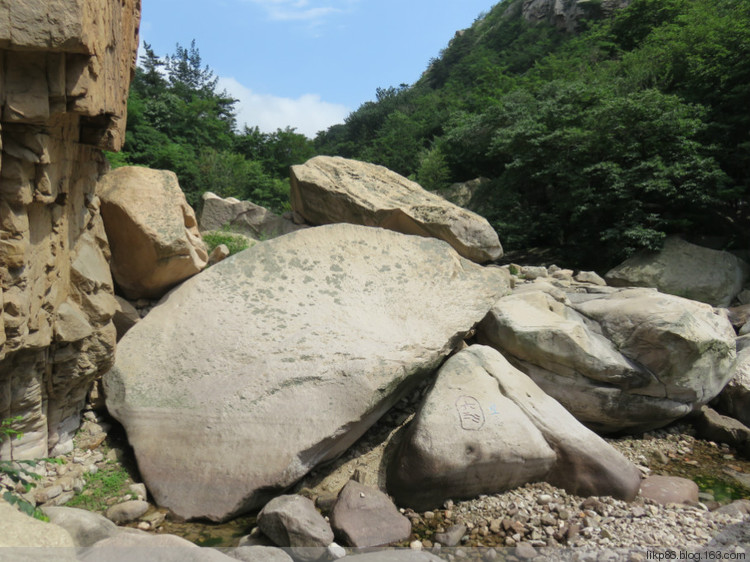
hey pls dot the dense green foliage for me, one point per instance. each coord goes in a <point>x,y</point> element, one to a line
<point>177,120</point>
<point>597,143</point>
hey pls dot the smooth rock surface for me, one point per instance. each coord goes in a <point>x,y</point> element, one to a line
<point>259,554</point>
<point>685,270</point>
<point>669,489</point>
<point>294,347</point>
<point>332,189</point>
<point>127,511</point>
<point>152,231</point>
<point>86,527</point>
<point>139,546</point>
<point>292,520</point>
<point>20,530</point>
<point>485,427</point>
<point>364,516</point>
<point>617,359</point>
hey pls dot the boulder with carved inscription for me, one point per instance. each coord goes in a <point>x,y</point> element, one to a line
<point>485,427</point>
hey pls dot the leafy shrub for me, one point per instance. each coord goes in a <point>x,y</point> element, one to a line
<point>18,474</point>
<point>234,242</point>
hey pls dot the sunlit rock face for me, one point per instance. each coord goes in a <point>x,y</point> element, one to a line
<point>65,70</point>
<point>277,359</point>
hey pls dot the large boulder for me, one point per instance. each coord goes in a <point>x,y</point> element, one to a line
<point>242,216</point>
<point>278,358</point>
<point>485,427</point>
<point>617,359</point>
<point>734,400</point>
<point>23,538</point>
<point>332,189</point>
<point>685,270</point>
<point>64,76</point>
<point>152,231</point>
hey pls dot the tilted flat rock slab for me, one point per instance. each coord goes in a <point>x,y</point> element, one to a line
<point>330,189</point>
<point>485,427</point>
<point>627,359</point>
<point>280,357</point>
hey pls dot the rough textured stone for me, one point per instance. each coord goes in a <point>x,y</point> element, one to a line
<point>219,253</point>
<point>86,527</point>
<point>485,427</point>
<point>669,489</point>
<point>685,270</point>
<point>712,426</point>
<point>242,216</point>
<point>293,347</point>
<point>152,231</point>
<point>292,521</point>
<point>64,77</point>
<point>332,189</point>
<point>125,317</point>
<point>566,14</point>
<point>617,359</point>
<point>734,400</point>
<point>364,516</point>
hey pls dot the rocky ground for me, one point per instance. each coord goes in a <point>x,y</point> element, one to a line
<point>100,475</point>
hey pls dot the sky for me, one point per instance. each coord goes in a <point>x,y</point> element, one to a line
<point>307,64</point>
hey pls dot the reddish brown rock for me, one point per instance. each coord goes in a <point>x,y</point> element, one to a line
<point>669,489</point>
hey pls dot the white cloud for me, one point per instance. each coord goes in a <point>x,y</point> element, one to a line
<point>308,114</point>
<point>312,11</point>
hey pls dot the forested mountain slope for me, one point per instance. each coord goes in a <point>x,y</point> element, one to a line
<point>597,143</point>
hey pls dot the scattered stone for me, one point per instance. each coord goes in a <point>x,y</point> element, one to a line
<point>328,190</point>
<point>669,489</point>
<point>139,490</point>
<point>712,426</point>
<point>219,253</point>
<point>293,521</point>
<point>452,536</point>
<point>126,511</point>
<point>364,517</point>
<point>525,551</point>
<point>737,508</point>
<point>590,277</point>
<point>336,551</point>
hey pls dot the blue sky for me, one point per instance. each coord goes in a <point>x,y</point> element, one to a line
<point>308,63</point>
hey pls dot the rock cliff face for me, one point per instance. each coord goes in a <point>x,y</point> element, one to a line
<point>565,14</point>
<point>65,69</point>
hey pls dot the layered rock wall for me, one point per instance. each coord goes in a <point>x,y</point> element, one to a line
<point>65,69</point>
